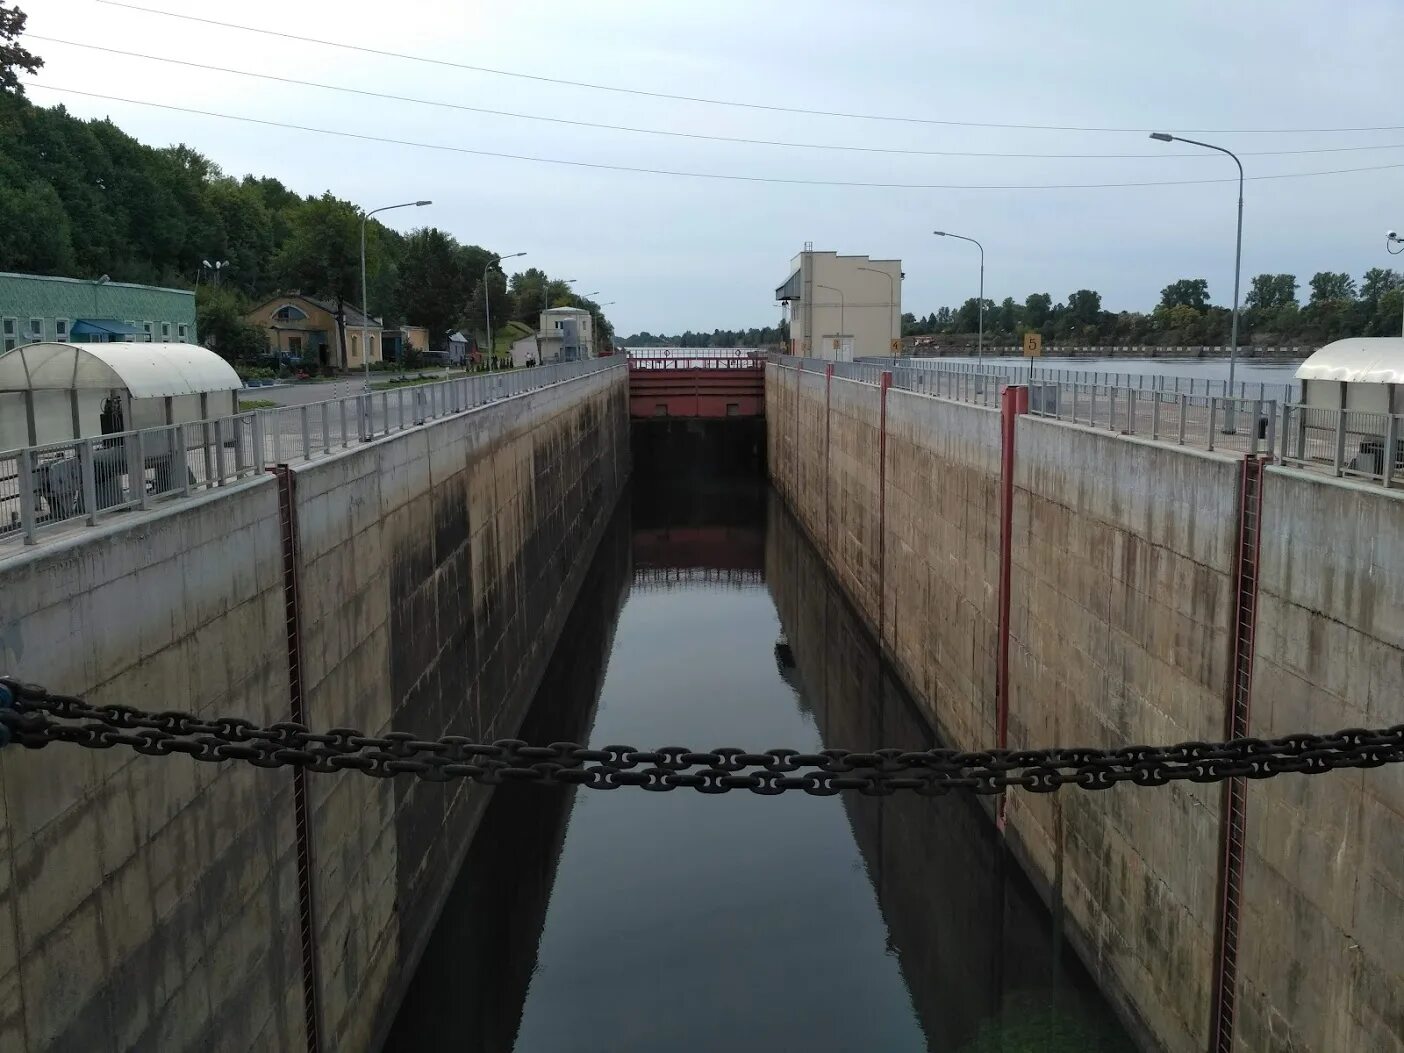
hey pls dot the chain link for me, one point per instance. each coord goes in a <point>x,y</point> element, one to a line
<point>37,718</point>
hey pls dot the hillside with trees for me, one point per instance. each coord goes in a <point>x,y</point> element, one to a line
<point>82,198</point>
<point>766,337</point>
<point>1271,315</point>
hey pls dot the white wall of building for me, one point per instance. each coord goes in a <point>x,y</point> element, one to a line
<point>845,311</point>
<point>550,321</point>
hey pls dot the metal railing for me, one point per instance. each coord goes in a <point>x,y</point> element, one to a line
<point>1355,443</point>
<point>91,478</point>
<point>700,361</point>
<point>1172,383</point>
<point>973,387</point>
<point>1206,422</point>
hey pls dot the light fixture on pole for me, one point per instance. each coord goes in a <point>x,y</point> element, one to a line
<point>365,307</point>
<point>1393,238</point>
<point>487,296</point>
<point>1166,137</point>
<point>980,338</point>
<point>891,304</point>
<point>843,300</point>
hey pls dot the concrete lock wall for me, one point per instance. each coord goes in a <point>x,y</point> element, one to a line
<point>153,903</point>
<point>1122,590</point>
<point>1122,593</point>
<point>1322,962</point>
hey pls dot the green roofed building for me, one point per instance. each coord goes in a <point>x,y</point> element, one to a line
<point>36,307</point>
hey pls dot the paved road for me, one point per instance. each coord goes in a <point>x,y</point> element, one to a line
<point>342,387</point>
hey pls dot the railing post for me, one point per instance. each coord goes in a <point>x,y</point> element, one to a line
<point>1184,414</point>
<point>276,416</point>
<point>219,449</point>
<point>341,409</point>
<point>1155,414</point>
<point>257,440</point>
<point>1213,420</point>
<point>1257,423</point>
<point>1391,450</point>
<point>136,468</point>
<point>88,476</point>
<point>24,464</point>
<point>306,435</point>
<point>182,459</point>
<point>1340,441</point>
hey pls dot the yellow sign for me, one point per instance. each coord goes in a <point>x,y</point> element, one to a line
<point>1033,345</point>
<point>896,346</point>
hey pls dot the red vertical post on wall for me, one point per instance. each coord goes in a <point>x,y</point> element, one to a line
<point>828,416</point>
<point>1013,402</point>
<point>884,384</point>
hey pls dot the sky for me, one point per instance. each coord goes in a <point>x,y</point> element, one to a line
<point>679,252</point>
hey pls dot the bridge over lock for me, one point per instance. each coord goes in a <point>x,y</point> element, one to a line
<point>274,709</point>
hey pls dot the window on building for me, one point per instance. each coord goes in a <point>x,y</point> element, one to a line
<point>181,332</point>
<point>8,326</point>
<point>147,327</point>
<point>61,329</point>
<point>9,343</point>
<point>36,329</point>
<point>165,330</point>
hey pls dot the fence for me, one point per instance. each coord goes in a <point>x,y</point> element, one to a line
<point>91,478</point>
<point>1206,422</point>
<point>697,361</point>
<point>1020,374</point>
<point>1345,442</point>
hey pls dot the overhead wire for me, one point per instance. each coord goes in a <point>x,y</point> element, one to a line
<point>735,103</point>
<point>445,104</point>
<point>728,176</point>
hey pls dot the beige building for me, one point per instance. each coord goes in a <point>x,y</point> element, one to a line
<point>567,335</point>
<point>306,327</point>
<point>843,307</point>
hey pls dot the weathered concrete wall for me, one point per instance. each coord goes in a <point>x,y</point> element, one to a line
<point>151,903</point>
<point>437,566</point>
<point>1122,604</point>
<point>1120,632</point>
<point>1322,963</point>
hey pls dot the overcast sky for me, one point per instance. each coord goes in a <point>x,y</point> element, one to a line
<point>677,253</point>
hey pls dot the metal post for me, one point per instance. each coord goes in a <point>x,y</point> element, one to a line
<point>276,416</point>
<point>306,436</point>
<point>1257,423</point>
<point>341,409</point>
<point>89,479</point>
<point>1340,440</point>
<point>136,468</point>
<point>1391,450</point>
<point>219,449</point>
<point>1184,414</point>
<point>1213,418</point>
<point>1155,415</point>
<point>24,464</point>
<point>182,460</point>
<point>326,430</point>
<point>257,439</point>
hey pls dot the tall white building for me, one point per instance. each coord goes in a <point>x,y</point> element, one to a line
<point>843,307</point>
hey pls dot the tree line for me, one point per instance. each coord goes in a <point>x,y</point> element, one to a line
<point>766,336</point>
<point>82,198</point>
<point>1337,307</point>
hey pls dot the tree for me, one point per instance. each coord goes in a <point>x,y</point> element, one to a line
<point>35,234</point>
<point>501,302</point>
<point>1007,315</point>
<point>14,58</point>
<point>1329,287</point>
<point>322,255</point>
<point>1038,308</point>
<point>1269,293</point>
<point>1377,282</point>
<point>432,289</point>
<point>1084,308</point>
<point>219,319</point>
<point>1187,292</point>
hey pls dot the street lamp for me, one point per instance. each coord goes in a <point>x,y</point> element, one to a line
<point>842,302</point>
<point>1392,238</point>
<point>365,307</point>
<point>1166,137</point>
<point>891,303</point>
<point>487,296</point>
<point>980,338</point>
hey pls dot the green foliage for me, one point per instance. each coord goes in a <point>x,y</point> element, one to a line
<point>13,58</point>
<point>1331,287</point>
<point>767,336</point>
<point>1038,308</point>
<point>1187,292</point>
<point>219,319</point>
<point>81,198</point>
<point>1270,293</point>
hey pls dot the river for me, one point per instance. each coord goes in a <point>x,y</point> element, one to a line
<point>630,921</point>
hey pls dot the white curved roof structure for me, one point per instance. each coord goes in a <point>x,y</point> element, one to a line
<point>144,370</point>
<point>1359,360</point>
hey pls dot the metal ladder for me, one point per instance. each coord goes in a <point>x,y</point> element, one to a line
<point>1234,820</point>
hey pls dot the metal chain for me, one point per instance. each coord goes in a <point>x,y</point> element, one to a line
<point>38,718</point>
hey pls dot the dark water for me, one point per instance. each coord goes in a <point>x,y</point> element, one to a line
<point>625,920</point>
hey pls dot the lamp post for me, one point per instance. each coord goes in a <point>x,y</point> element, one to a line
<point>365,307</point>
<point>891,304</point>
<point>842,306</point>
<point>1393,238</point>
<point>1166,137</point>
<point>980,338</point>
<point>487,297</point>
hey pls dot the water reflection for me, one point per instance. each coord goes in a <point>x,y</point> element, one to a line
<point>638,921</point>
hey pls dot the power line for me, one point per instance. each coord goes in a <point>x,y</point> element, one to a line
<point>728,176</point>
<point>443,104</point>
<point>770,107</point>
